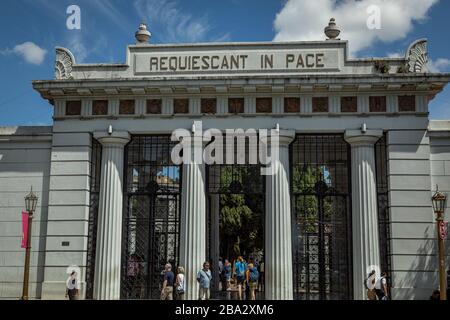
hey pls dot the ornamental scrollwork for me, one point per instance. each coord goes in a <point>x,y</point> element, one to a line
<point>417,57</point>
<point>63,64</point>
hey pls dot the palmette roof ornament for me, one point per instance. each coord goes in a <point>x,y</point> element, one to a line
<point>63,64</point>
<point>417,57</point>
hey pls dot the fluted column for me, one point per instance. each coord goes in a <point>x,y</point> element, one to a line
<point>109,230</point>
<point>366,248</point>
<point>278,231</point>
<point>193,219</point>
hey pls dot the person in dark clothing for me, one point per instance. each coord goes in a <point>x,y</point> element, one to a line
<point>436,295</point>
<point>169,280</point>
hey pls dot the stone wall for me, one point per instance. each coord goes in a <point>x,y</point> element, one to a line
<point>417,162</point>
<point>24,163</point>
<point>68,211</point>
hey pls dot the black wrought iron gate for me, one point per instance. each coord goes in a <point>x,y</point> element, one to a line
<point>151,216</point>
<point>320,188</point>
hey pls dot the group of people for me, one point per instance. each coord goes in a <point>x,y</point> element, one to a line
<point>177,283</point>
<point>244,275</point>
<point>377,287</point>
<point>247,276</point>
<point>172,283</point>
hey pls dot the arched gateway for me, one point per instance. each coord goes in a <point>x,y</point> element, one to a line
<point>318,224</point>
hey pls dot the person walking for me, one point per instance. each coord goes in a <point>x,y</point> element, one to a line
<point>227,274</point>
<point>381,288</point>
<point>261,276</point>
<point>252,277</point>
<point>204,278</point>
<point>72,287</point>
<point>180,284</point>
<point>168,282</point>
<point>436,295</point>
<point>221,273</point>
<point>240,268</point>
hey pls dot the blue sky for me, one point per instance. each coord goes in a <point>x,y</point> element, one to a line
<point>30,29</point>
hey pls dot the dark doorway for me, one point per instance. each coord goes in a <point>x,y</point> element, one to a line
<point>236,208</point>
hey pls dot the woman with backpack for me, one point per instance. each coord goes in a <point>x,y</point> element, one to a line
<point>252,277</point>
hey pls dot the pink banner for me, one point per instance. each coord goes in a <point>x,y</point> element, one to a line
<point>24,229</point>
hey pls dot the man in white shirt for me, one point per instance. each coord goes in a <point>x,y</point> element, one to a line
<point>72,286</point>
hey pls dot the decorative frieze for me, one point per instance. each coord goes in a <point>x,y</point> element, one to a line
<point>223,105</point>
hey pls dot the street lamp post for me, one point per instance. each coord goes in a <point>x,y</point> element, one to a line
<point>439,200</point>
<point>30,204</point>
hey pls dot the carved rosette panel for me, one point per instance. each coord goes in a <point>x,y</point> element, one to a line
<point>418,57</point>
<point>181,106</point>
<point>349,104</point>
<point>154,106</point>
<point>63,64</point>
<point>377,104</point>
<point>209,106</point>
<point>263,105</point>
<point>320,104</point>
<point>236,105</point>
<point>291,105</point>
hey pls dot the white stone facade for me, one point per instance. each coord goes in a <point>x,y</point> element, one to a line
<point>56,160</point>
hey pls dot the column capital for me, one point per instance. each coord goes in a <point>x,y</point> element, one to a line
<point>117,138</point>
<point>285,137</point>
<point>358,137</point>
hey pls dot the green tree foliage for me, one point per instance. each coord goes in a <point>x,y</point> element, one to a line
<point>241,213</point>
<point>304,183</point>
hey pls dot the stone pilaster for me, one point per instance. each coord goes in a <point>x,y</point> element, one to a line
<point>193,220</point>
<point>278,231</point>
<point>366,248</point>
<point>109,232</point>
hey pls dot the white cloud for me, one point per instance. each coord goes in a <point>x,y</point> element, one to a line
<point>77,47</point>
<point>305,20</point>
<point>174,24</point>
<point>29,51</point>
<point>439,65</point>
